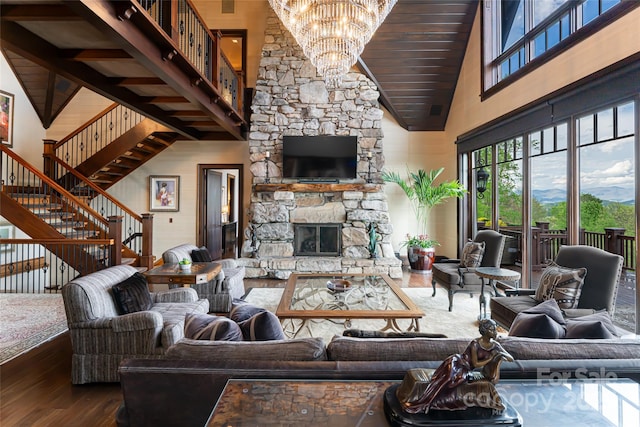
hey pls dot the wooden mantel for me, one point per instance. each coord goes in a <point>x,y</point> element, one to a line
<point>318,187</point>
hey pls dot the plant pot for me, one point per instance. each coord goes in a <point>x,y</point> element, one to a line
<point>185,267</point>
<point>421,259</point>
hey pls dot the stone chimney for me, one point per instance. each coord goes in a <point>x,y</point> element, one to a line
<point>291,99</point>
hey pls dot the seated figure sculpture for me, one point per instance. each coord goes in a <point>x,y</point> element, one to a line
<point>461,381</point>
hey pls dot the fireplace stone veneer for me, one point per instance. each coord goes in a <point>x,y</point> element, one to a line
<point>291,99</point>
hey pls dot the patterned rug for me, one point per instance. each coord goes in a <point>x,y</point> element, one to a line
<point>28,320</point>
<point>462,322</point>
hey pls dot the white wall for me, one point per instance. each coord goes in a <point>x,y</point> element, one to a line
<point>28,131</point>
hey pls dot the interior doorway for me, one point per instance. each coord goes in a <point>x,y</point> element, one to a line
<point>220,198</point>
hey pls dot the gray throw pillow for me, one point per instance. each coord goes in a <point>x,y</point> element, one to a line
<point>472,254</point>
<point>241,311</point>
<point>562,284</point>
<point>594,326</point>
<point>200,255</point>
<point>263,326</point>
<point>132,294</point>
<point>541,321</point>
<point>199,326</point>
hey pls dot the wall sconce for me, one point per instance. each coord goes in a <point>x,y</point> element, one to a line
<point>369,157</point>
<point>266,167</point>
<point>482,177</point>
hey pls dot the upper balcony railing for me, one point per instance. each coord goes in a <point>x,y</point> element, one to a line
<point>182,22</point>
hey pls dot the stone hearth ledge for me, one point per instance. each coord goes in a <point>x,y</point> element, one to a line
<point>283,267</point>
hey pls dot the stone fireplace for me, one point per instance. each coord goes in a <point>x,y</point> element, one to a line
<point>317,239</point>
<point>287,220</point>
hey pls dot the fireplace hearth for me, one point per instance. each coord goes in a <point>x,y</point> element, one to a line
<point>317,239</point>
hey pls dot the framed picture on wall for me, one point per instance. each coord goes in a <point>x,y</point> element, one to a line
<point>164,193</point>
<point>6,118</point>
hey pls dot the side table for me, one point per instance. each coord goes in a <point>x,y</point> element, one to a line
<point>493,274</point>
<point>170,274</point>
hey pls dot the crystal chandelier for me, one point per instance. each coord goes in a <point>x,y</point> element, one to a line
<point>332,33</point>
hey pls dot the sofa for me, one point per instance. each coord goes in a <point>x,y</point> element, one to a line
<point>182,388</point>
<point>102,335</point>
<point>226,286</point>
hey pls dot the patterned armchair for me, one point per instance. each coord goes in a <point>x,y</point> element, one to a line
<point>226,286</point>
<point>101,338</point>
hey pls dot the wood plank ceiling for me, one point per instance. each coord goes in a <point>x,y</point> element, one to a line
<point>415,59</point>
<point>53,48</point>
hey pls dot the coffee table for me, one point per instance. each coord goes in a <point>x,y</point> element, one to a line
<point>493,274</point>
<point>345,296</point>
<point>170,274</point>
<point>540,402</point>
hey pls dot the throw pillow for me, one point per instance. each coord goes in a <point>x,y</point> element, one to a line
<point>200,255</point>
<point>263,326</point>
<point>132,294</point>
<point>562,284</point>
<point>200,326</point>
<point>541,321</point>
<point>472,254</point>
<point>241,311</point>
<point>594,326</point>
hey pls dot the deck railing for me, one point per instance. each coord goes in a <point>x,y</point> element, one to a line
<point>546,243</point>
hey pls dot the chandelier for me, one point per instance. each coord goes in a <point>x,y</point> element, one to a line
<point>332,33</point>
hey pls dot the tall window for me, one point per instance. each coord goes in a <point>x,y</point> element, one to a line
<point>600,156</point>
<point>519,31</point>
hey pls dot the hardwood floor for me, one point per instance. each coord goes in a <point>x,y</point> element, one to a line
<point>36,389</point>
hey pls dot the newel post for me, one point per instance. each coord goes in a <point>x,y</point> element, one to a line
<point>613,243</point>
<point>115,233</point>
<point>49,153</point>
<point>146,259</point>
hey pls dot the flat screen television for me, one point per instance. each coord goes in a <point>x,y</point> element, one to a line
<point>320,157</point>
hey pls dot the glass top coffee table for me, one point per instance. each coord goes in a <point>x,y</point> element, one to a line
<point>345,296</point>
<point>612,402</point>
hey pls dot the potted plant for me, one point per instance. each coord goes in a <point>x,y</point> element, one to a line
<point>185,264</point>
<point>424,194</point>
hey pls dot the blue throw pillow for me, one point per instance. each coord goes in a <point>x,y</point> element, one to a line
<point>263,326</point>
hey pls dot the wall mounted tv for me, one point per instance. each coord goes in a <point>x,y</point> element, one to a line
<point>320,157</point>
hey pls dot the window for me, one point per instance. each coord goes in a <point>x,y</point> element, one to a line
<point>515,32</point>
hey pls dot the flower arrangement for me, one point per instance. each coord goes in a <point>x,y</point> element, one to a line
<point>421,240</point>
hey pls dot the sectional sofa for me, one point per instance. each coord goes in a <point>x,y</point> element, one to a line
<point>182,389</point>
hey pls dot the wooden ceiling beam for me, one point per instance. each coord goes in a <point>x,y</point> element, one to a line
<point>88,55</point>
<point>33,48</point>
<point>137,81</point>
<point>43,12</point>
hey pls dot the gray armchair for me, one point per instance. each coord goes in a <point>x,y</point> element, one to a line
<point>455,278</point>
<point>221,291</point>
<point>598,291</point>
<point>101,338</point>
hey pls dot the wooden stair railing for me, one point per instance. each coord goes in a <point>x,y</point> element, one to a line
<point>137,230</point>
<point>44,209</point>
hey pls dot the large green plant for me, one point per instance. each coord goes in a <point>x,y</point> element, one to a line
<point>423,192</point>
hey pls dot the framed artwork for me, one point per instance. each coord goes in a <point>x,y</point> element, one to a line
<point>164,193</point>
<point>6,118</point>
<point>6,232</point>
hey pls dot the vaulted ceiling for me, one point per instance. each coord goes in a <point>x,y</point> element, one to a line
<point>414,58</point>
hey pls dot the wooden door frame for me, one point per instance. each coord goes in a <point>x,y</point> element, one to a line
<point>200,217</point>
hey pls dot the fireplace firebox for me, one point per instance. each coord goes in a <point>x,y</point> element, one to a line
<point>317,239</point>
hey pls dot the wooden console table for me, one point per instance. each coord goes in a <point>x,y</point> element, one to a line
<point>170,274</point>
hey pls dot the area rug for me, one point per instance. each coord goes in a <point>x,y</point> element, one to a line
<point>462,322</point>
<point>28,320</point>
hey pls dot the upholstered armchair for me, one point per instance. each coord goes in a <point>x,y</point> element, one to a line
<point>457,276</point>
<point>102,336</point>
<point>598,290</point>
<point>226,286</point>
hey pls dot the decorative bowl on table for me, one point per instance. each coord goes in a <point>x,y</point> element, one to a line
<point>338,285</point>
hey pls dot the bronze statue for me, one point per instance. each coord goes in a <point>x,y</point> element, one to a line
<point>461,381</point>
